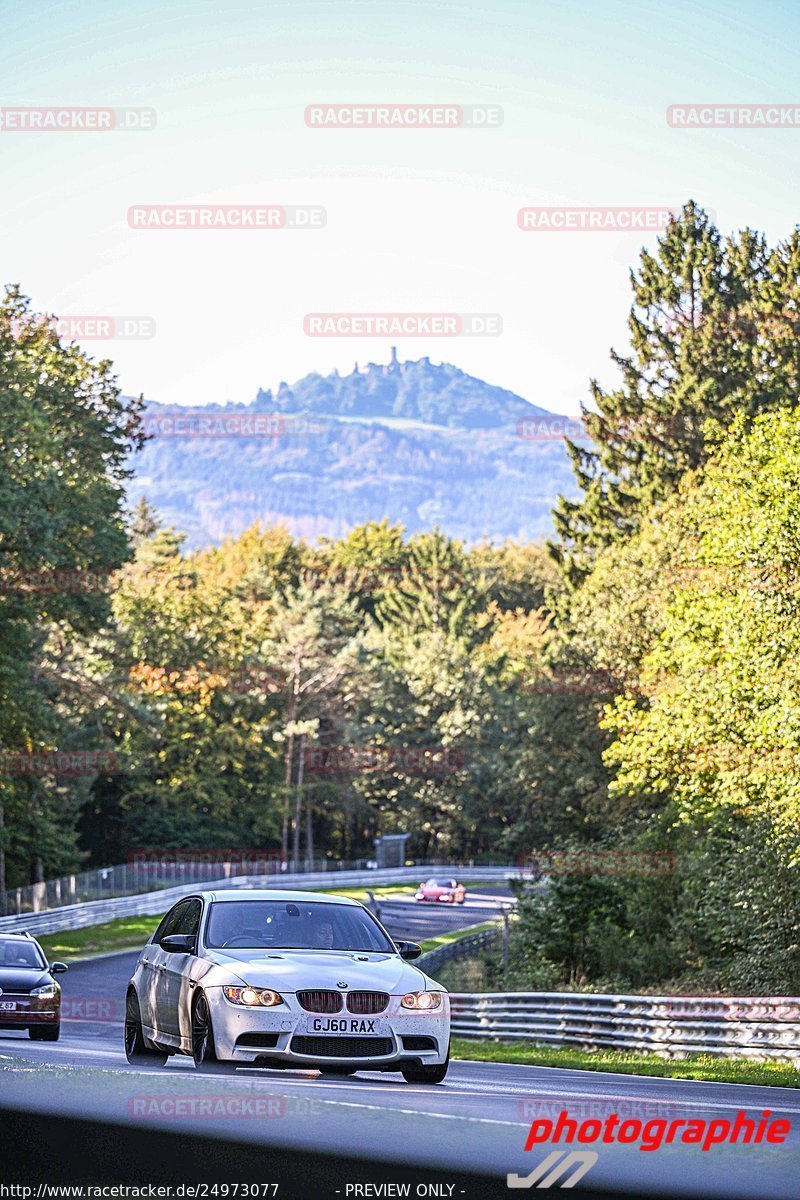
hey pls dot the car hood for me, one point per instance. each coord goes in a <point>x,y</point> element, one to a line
<point>293,970</point>
<point>22,979</point>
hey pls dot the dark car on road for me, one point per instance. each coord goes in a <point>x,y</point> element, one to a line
<point>30,998</point>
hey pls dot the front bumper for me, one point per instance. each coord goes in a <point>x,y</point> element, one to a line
<point>29,1010</point>
<point>283,1037</point>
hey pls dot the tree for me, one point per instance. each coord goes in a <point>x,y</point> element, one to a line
<point>438,587</point>
<point>692,362</point>
<point>65,433</point>
<point>144,522</point>
<point>312,647</point>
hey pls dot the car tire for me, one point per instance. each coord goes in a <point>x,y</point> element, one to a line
<point>415,1074</point>
<point>137,1051</point>
<point>44,1033</point>
<point>204,1050</point>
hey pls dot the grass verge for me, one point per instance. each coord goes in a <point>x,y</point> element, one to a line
<point>701,1066</point>
<point>125,933</point>
<point>455,935</point>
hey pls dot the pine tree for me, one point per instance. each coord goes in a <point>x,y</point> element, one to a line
<point>692,359</point>
<point>144,522</point>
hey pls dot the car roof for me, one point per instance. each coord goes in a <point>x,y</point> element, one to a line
<point>25,936</point>
<point>274,894</point>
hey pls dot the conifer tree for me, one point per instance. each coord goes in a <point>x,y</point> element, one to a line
<point>697,331</point>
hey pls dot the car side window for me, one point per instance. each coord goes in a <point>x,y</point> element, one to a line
<point>189,919</point>
<point>170,921</point>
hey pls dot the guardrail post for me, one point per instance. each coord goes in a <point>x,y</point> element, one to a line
<point>505,939</point>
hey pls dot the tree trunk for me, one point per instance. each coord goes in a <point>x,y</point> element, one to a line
<point>309,833</point>
<point>298,810</point>
<point>287,783</point>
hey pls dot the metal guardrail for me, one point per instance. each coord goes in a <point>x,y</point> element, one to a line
<point>466,947</point>
<point>155,870</point>
<point>670,1026</point>
<point>97,912</point>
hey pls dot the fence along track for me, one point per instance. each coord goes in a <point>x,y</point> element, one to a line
<point>754,1027</point>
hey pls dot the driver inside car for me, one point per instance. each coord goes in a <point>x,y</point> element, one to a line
<point>17,954</point>
<point>322,935</point>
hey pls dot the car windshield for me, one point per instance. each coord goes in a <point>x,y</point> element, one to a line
<point>276,924</point>
<point>449,883</point>
<point>14,953</point>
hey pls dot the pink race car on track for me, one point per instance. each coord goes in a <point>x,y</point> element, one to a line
<point>443,891</point>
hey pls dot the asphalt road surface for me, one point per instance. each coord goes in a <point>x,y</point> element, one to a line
<point>478,1119</point>
<point>416,920</point>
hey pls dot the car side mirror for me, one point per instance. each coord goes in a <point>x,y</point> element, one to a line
<point>58,968</point>
<point>178,943</point>
<point>409,950</point>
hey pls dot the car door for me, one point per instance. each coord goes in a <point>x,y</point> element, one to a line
<point>151,961</point>
<point>158,965</point>
<point>174,975</point>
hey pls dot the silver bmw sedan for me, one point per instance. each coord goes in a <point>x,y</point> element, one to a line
<point>284,979</point>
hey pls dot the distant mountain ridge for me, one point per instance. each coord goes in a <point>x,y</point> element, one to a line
<point>415,442</point>
<point>420,390</point>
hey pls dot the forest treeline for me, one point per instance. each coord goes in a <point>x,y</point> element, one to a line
<point>625,695</point>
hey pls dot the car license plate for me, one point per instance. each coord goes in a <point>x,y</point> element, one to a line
<point>369,1026</point>
<point>8,1005</point>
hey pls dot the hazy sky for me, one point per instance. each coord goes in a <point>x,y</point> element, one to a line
<point>417,220</point>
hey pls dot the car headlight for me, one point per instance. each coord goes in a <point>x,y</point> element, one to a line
<point>252,997</point>
<point>47,989</point>
<point>422,1001</point>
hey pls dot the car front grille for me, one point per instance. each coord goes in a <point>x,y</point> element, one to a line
<point>320,1002</point>
<point>342,1047</point>
<point>367,1002</point>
